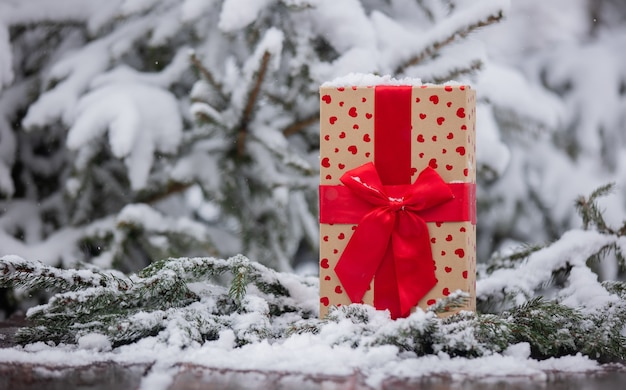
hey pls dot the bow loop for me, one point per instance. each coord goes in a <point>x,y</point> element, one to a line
<point>365,183</point>
<point>427,191</point>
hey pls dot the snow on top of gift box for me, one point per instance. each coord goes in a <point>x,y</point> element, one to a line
<point>368,79</point>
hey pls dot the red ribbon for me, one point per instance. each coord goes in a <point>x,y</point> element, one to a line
<point>391,242</point>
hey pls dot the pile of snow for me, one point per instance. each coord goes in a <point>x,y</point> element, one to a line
<point>306,353</point>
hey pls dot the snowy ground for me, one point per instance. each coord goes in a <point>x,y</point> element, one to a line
<point>299,357</point>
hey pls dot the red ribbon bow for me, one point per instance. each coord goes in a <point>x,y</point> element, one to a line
<point>391,241</point>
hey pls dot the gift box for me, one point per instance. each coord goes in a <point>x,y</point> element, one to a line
<point>397,194</point>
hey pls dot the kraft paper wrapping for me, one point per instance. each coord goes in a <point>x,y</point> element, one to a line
<point>443,137</point>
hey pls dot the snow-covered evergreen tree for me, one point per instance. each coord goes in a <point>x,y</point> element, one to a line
<point>138,130</point>
<point>553,94</point>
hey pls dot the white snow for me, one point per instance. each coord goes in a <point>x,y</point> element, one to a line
<point>6,60</point>
<point>490,150</point>
<point>94,341</point>
<point>140,120</point>
<point>237,14</point>
<point>148,218</point>
<point>507,88</point>
<point>573,249</point>
<point>194,9</point>
<point>368,79</point>
<point>298,354</point>
<point>134,6</point>
<point>344,24</point>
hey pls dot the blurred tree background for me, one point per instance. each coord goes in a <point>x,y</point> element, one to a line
<point>136,130</point>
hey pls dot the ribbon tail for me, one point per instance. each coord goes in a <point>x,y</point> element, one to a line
<point>386,286</point>
<point>414,264</point>
<point>366,249</point>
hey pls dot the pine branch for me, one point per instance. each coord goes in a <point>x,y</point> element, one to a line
<point>246,115</point>
<point>513,259</point>
<point>550,328</point>
<point>32,275</point>
<point>238,285</point>
<point>493,330</point>
<point>590,212</point>
<point>171,188</point>
<point>157,294</point>
<point>455,73</point>
<point>432,49</point>
<point>301,124</point>
<point>206,74</point>
<point>453,301</point>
